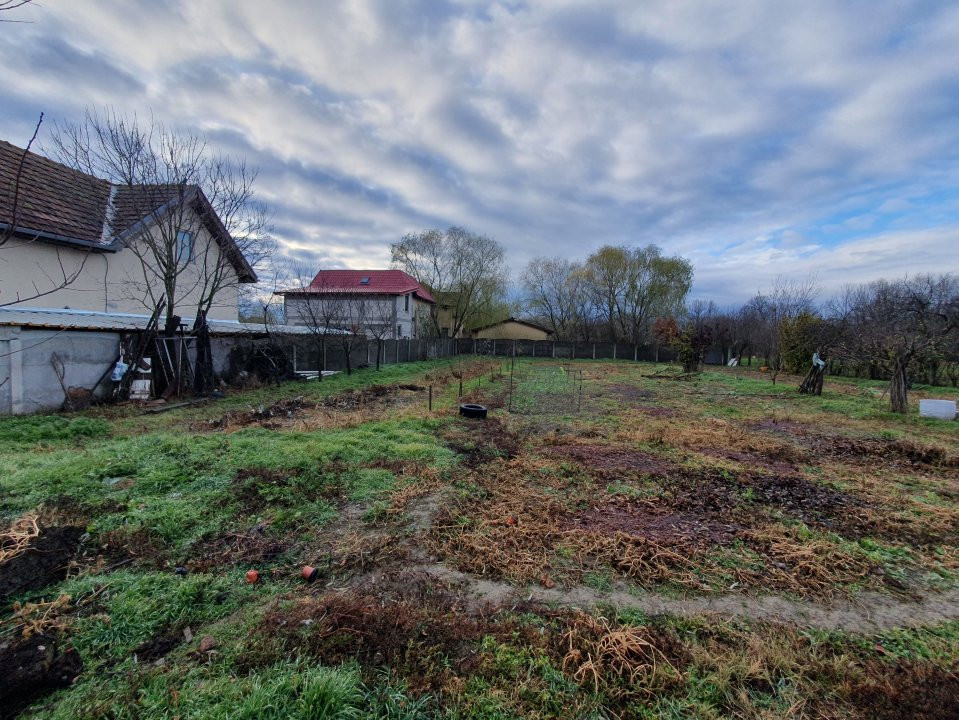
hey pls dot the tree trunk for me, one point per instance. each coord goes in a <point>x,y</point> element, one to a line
<point>897,389</point>
<point>379,351</point>
<point>319,360</point>
<point>812,383</point>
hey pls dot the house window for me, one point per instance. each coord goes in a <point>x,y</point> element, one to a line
<point>364,281</point>
<point>399,331</point>
<point>184,244</point>
<point>406,303</point>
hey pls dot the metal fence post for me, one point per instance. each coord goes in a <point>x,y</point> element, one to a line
<point>614,351</point>
<point>594,351</point>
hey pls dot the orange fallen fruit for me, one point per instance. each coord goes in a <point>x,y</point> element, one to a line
<point>252,576</point>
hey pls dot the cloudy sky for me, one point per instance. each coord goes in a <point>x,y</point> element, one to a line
<point>755,138</point>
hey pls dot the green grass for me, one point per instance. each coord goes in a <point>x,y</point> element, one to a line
<point>128,475</point>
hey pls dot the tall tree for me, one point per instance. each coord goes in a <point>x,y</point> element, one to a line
<point>465,271</point>
<point>553,292</point>
<point>631,286</point>
<point>173,184</point>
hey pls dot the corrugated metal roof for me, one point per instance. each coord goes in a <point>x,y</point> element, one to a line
<point>125,322</point>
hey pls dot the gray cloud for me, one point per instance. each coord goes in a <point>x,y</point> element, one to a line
<point>755,138</point>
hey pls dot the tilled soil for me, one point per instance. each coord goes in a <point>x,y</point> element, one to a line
<point>652,523</point>
<point>31,668</point>
<point>43,563</point>
<point>607,457</point>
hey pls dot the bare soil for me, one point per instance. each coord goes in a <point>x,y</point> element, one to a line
<point>43,563</point>
<point>868,612</point>
<point>481,441</point>
<point>628,393</point>
<point>234,548</point>
<point>907,691</point>
<point>159,646</point>
<point>653,523</point>
<point>31,668</point>
<point>752,460</point>
<point>606,457</point>
<point>813,503</point>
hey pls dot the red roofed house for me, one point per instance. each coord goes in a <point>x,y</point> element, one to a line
<point>385,303</point>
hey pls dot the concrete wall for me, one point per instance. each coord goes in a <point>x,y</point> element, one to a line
<point>108,282</point>
<point>32,385</point>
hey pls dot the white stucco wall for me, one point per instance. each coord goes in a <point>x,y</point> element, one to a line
<point>105,282</point>
<point>392,309</point>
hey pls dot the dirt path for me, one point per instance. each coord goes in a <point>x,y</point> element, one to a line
<point>868,613</point>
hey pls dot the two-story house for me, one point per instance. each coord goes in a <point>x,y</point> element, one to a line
<point>72,241</point>
<point>388,304</point>
<point>76,274</point>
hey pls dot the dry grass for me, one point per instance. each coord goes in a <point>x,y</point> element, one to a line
<point>18,537</point>
<point>640,429</point>
<point>596,650</point>
<point>39,617</point>
<point>805,566</point>
<point>508,532</point>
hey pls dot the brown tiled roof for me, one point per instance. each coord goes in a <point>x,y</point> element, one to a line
<point>527,323</point>
<point>131,204</point>
<point>52,198</point>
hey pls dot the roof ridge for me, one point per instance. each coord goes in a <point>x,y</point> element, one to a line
<point>107,235</point>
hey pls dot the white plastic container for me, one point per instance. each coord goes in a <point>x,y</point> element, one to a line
<point>942,409</point>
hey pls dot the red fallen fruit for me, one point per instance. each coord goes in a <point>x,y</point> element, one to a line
<point>309,573</point>
<point>252,576</point>
<point>511,520</point>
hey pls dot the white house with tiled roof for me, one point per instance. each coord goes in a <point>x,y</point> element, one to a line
<point>386,303</point>
<point>66,239</point>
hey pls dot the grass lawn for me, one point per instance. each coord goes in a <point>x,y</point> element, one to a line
<point>610,542</point>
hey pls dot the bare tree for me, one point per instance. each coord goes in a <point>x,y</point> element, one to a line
<point>8,5</point>
<point>169,186</point>
<point>553,294</point>
<point>765,313</point>
<point>356,307</point>
<point>379,321</point>
<point>465,272</point>
<point>897,326</point>
<point>317,306</point>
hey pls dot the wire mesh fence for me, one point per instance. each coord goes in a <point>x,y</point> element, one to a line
<point>545,388</point>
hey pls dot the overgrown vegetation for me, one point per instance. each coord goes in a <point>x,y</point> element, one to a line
<point>551,561</point>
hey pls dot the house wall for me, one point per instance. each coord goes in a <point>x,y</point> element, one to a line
<point>346,312</point>
<point>512,331</point>
<point>107,282</point>
<point>32,383</point>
